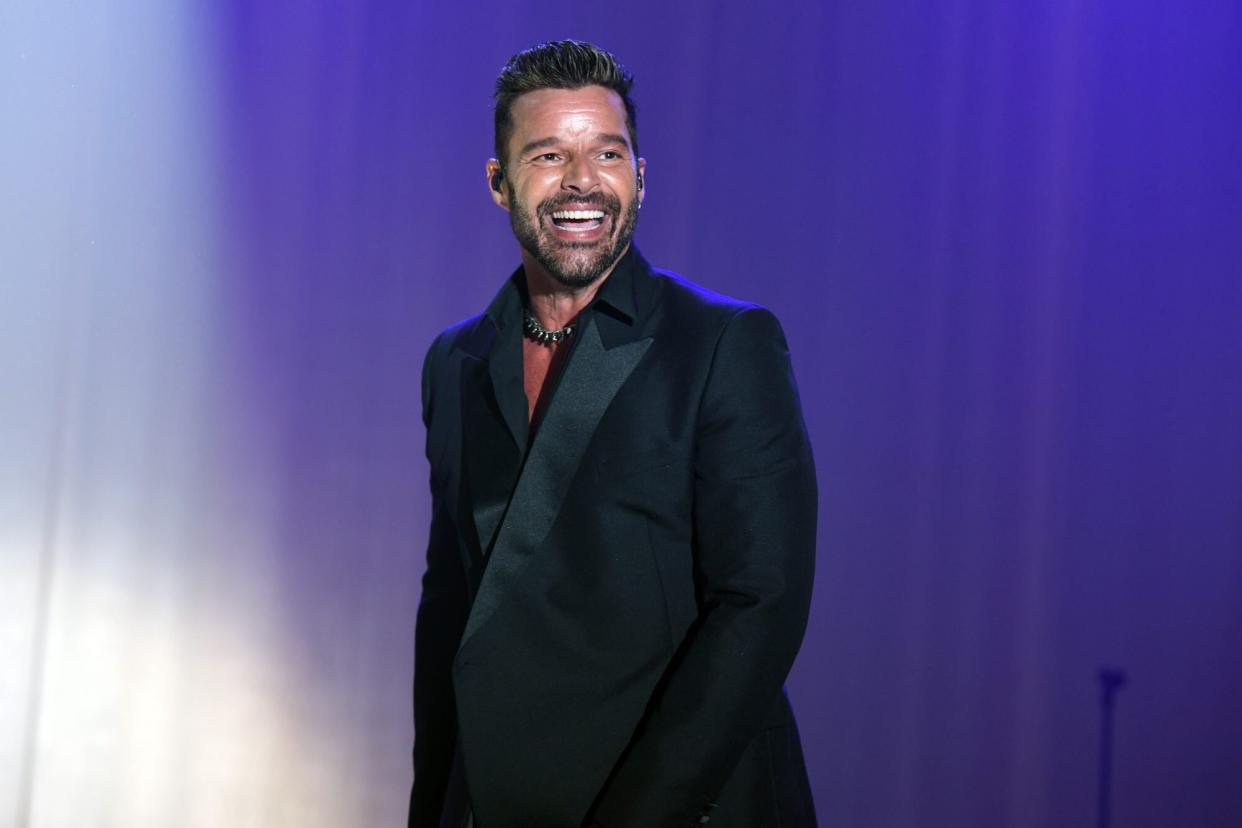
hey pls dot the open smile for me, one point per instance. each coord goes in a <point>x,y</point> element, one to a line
<point>578,224</point>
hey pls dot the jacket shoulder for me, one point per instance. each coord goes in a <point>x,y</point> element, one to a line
<point>685,300</point>
<point>459,333</point>
<point>683,290</point>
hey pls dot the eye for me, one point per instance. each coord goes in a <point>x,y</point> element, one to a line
<point>610,155</point>
<point>548,156</point>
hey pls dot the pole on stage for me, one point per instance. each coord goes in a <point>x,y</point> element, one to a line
<point>1111,680</point>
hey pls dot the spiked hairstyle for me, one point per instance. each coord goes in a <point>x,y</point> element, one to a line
<point>561,64</point>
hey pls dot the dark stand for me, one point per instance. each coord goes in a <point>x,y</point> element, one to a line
<point>1110,682</point>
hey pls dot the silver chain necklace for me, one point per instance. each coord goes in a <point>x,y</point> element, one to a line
<point>542,335</point>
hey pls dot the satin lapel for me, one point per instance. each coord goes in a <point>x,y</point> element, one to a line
<point>505,367</point>
<point>592,376</point>
<point>493,427</point>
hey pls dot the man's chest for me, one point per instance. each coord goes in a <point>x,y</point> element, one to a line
<point>540,363</point>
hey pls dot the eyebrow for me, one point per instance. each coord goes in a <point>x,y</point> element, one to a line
<point>602,138</point>
<point>612,138</point>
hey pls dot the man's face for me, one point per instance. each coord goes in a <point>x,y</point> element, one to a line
<point>571,183</point>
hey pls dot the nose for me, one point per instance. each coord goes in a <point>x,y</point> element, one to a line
<point>580,175</point>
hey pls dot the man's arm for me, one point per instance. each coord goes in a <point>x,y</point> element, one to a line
<point>755,503</point>
<point>442,612</point>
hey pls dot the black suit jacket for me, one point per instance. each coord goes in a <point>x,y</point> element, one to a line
<point>610,608</point>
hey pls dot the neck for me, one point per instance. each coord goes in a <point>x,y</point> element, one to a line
<point>553,304</point>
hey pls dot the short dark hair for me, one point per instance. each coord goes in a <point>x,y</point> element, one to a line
<point>561,64</point>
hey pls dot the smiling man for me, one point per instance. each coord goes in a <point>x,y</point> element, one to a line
<point>623,509</point>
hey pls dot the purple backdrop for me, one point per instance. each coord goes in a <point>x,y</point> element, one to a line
<point>1004,241</point>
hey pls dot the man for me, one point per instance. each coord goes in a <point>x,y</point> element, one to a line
<point>624,504</point>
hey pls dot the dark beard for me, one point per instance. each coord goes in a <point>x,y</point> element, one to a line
<point>575,273</point>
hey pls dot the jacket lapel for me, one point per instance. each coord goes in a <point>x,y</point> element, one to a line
<point>592,375</point>
<point>505,368</point>
<point>494,423</point>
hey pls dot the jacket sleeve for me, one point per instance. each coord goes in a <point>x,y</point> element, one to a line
<point>442,611</point>
<point>755,504</point>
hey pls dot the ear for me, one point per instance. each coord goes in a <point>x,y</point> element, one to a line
<point>642,176</point>
<point>496,184</point>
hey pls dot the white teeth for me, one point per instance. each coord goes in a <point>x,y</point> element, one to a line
<point>578,214</point>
